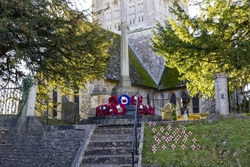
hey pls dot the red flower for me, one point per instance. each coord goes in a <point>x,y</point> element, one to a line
<point>112,109</point>
<point>120,109</point>
<point>98,111</point>
<point>149,110</point>
<point>134,99</point>
<point>113,99</point>
<point>102,110</point>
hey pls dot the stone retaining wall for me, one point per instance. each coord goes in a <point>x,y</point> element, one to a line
<point>29,144</point>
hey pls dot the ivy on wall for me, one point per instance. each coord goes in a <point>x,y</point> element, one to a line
<point>27,83</point>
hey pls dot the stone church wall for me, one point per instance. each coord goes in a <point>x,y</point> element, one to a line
<point>98,93</point>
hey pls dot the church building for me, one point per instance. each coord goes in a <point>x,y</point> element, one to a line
<point>157,84</point>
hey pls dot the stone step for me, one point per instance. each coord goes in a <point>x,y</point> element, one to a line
<point>116,137</point>
<point>108,122</point>
<point>113,165</point>
<point>119,119</point>
<point>110,144</point>
<point>114,131</point>
<point>108,159</point>
<point>108,151</point>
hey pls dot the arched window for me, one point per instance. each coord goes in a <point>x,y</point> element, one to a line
<point>196,104</point>
<point>184,95</point>
<point>173,99</point>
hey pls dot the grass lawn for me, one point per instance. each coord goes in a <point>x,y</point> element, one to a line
<point>218,144</point>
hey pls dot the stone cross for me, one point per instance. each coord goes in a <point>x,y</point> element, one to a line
<point>125,79</point>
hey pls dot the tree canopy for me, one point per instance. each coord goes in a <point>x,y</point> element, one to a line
<point>214,41</point>
<point>52,42</point>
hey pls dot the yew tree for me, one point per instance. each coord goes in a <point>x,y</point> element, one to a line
<point>215,40</point>
<point>52,42</point>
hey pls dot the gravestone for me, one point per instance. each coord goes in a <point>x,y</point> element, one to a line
<point>70,112</point>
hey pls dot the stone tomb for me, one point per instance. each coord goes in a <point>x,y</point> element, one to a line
<point>70,112</point>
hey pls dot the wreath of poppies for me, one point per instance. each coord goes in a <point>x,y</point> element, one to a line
<point>149,110</point>
<point>118,106</point>
<point>113,99</point>
<point>102,110</point>
<point>134,99</point>
<point>113,108</point>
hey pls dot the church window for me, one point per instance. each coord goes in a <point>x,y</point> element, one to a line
<point>173,99</point>
<point>184,95</point>
<point>196,104</point>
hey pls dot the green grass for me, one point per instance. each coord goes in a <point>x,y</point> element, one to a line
<point>222,143</point>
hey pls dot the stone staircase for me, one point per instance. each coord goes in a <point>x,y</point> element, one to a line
<point>110,146</point>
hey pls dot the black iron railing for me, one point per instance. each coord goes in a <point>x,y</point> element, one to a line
<point>135,136</point>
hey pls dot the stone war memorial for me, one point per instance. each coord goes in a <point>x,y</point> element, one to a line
<point>134,67</point>
<point>100,127</point>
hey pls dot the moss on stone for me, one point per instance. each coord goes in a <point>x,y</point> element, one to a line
<point>170,78</point>
<point>138,73</point>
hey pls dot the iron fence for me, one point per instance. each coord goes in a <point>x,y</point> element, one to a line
<point>239,101</point>
<point>10,99</point>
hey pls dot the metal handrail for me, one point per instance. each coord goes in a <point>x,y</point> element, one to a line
<point>134,138</point>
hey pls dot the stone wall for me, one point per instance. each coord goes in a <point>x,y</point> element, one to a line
<point>85,101</point>
<point>28,144</point>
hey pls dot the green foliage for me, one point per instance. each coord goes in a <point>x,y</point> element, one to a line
<point>215,41</point>
<point>52,42</point>
<point>221,144</point>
